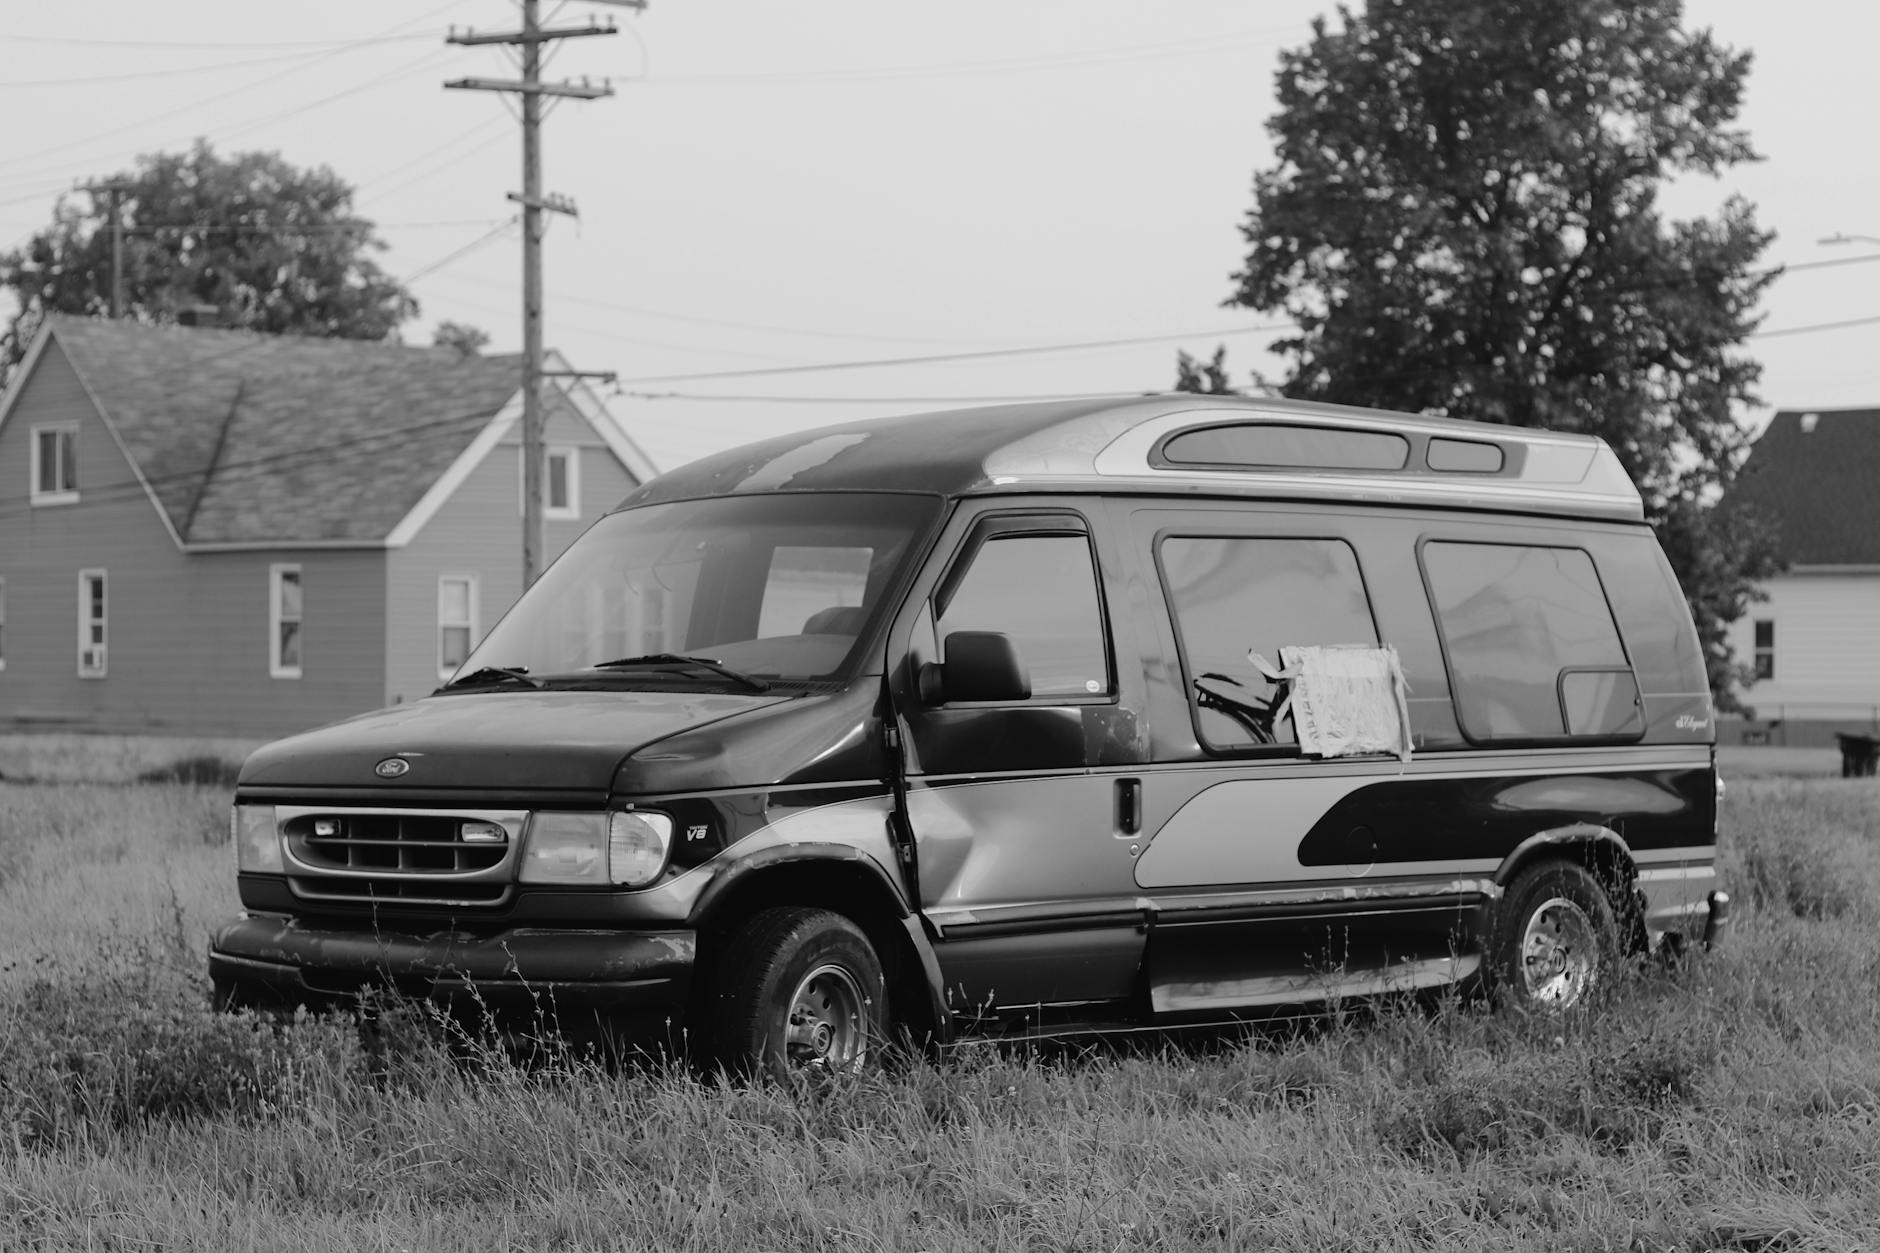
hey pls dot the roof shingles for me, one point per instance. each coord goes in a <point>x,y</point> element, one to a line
<point>310,439</point>
<point>1819,482</point>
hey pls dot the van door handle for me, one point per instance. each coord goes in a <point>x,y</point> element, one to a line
<point>1128,806</point>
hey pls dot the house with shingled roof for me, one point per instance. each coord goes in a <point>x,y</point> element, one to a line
<point>216,532</point>
<point>1814,644</point>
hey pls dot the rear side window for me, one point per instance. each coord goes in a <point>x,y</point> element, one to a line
<point>1041,591</point>
<point>1532,647</point>
<point>1233,596</point>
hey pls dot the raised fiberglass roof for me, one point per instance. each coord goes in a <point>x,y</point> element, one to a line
<point>1208,445</point>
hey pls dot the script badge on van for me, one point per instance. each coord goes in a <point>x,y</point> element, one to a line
<point>391,767</point>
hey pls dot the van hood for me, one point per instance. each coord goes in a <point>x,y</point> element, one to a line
<point>491,741</point>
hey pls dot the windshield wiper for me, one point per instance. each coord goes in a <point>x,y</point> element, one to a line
<point>493,674</point>
<point>750,681</point>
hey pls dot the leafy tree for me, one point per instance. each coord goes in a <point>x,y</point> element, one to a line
<point>268,246</point>
<point>1463,219</point>
<point>1209,378</point>
<point>466,339</point>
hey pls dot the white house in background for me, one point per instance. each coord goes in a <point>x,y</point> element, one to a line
<point>214,532</point>
<point>1815,643</point>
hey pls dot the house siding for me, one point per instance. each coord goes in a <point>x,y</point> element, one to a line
<point>187,634</point>
<point>114,527</point>
<point>342,668</point>
<point>1827,654</point>
<point>478,532</point>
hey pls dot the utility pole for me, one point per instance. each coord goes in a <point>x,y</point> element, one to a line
<point>534,203</point>
<point>115,189</point>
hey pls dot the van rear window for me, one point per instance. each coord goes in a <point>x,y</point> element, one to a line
<point>1532,647</point>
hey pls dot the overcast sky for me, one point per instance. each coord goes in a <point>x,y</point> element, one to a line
<point>845,181</point>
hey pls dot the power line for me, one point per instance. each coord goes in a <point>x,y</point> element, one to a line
<point>1038,349</point>
<point>614,337</point>
<point>436,161</point>
<point>268,82</point>
<point>1828,264</point>
<point>1810,330</point>
<point>987,354</point>
<point>197,46</point>
<point>1008,65</point>
<point>499,229</point>
<point>288,230</point>
<point>531,90</point>
<point>90,80</point>
<point>729,323</point>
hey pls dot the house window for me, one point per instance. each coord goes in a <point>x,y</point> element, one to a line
<point>561,483</point>
<point>456,621</point>
<point>284,622</point>
<point>1765,648</point>
<point>55,464</point>
<point>91,624</point>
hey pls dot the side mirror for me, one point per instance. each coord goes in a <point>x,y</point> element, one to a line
<point>980,666</point>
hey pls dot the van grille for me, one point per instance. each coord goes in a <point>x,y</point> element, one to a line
<point>400,856</point>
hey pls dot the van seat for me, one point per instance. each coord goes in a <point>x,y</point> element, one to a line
<point>835,620</point>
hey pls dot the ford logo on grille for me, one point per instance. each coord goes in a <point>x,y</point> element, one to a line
<point>391,767</point>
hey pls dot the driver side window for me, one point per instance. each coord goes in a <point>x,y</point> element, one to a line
<point>1040,590</point>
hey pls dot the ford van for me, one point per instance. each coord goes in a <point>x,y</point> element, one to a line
<point>1007,719</point>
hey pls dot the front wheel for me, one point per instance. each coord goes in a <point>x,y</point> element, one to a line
<point>800,992</point>
<point>1553,939</point>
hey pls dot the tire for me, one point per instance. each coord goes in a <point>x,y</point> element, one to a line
<point>799,993</point>
<point>1553,940</point>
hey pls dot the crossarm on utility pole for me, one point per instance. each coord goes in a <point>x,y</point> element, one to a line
<point>531,89</point>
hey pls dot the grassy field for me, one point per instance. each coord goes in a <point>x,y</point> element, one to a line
<point>1732,1103</point>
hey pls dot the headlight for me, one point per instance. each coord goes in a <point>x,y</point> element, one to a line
<point>636,846</point>
<point>257,839</point>
<point>624,848</point>
<point>566,848</point>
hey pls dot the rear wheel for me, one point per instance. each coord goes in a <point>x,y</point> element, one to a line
<point>1554,939</point>
<point>800,992</point>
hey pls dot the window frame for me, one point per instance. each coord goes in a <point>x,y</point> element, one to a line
<point>1159,455</point>
<point>102,622</point>
<point>1039,523</point>
<point>1287,752</point>
<point>472,591</point>
<point>1564,739</point>
<point>277,571</point>
<point>1762,656</point>
<point>67,463</point>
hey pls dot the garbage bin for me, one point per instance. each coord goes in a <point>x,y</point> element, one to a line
<point>1859,754</point>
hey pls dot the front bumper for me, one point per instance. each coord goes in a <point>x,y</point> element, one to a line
<point>635,980</point>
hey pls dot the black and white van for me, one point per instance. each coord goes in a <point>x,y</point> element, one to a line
<point>994,718</point>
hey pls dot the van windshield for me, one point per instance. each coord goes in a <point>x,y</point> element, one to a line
<point>773,588</point>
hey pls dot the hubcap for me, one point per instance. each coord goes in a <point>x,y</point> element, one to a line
<point>1559,954</point>
<point>828,1026</point>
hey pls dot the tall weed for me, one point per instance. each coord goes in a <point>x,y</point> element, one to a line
<point>1728,1101</point>
<point>1810,850</point>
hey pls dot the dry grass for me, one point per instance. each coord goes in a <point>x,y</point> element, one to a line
<point>1733,1103</point>
<point>73,758</point>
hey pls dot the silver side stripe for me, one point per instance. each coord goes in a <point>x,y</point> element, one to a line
<point>1408,976</point>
